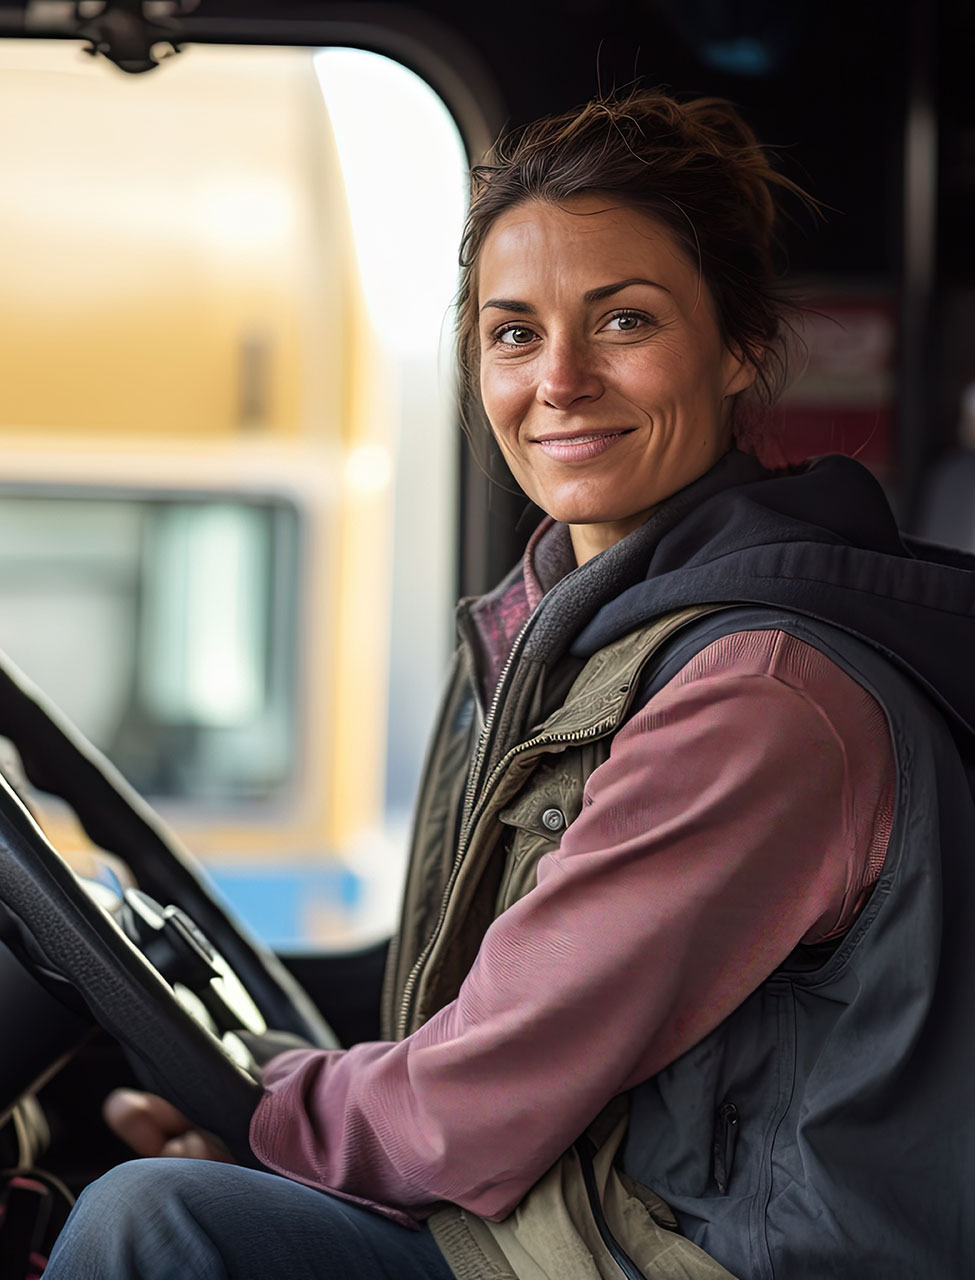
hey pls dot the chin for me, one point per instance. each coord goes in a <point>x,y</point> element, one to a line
<point>569,513</point>
<point>574,510</point>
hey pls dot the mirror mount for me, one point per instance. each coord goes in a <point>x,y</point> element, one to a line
<point>123,31</point>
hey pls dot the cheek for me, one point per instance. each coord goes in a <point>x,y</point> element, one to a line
<point>677,387</point>
<point>503,395</point>
<point>487,380</point>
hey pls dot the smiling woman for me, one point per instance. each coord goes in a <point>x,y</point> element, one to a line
<point>690,891</point>
<point>602,367</point>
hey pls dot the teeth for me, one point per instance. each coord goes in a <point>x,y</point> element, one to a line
<point>605,435</point>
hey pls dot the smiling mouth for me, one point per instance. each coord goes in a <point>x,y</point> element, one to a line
<point>579,446</point>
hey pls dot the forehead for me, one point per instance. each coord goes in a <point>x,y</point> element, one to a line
<point>587,241</point>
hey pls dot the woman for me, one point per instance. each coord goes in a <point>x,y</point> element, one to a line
<point>689,900</point>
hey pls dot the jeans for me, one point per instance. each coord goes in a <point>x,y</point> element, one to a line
<point>171,1219</point>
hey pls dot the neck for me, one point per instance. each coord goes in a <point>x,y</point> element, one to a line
<point>589,540</point>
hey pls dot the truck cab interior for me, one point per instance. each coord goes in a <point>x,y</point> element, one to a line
<point>237,503</point>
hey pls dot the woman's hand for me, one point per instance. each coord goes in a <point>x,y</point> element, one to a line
<point>151,1126</point>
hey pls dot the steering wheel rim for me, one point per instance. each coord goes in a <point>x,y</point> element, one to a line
<point>61,927</point>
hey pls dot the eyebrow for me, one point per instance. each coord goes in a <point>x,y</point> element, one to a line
<point>593,295</point>
<point>607,290</point>
<point>508,304</point>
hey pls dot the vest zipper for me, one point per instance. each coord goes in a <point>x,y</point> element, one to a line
<point>481,751</point>
<point>477,765</point>
<point>543,740</point>
<point>585,1151</point>
<point>725,1141</point>
<point>470,812</point>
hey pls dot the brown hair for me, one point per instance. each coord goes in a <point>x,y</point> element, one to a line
<point>696,167</point>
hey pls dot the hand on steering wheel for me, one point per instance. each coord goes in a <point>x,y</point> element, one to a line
<point>64,937</point>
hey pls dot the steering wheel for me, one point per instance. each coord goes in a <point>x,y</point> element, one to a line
<point>61,933</point>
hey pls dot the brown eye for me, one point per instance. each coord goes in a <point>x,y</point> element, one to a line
<point>626,322</point>
<point>516,336</point>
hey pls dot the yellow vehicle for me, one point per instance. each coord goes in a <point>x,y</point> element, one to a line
<point>200,424</point>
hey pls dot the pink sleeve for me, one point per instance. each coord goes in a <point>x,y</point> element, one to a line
<point>743,810</point>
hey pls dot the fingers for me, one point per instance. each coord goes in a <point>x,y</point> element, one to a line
<point>143,1120</point>
<point>151,1126</point>
<point>197,1145</point>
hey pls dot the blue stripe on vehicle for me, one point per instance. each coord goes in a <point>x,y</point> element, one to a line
<point>276,902</point>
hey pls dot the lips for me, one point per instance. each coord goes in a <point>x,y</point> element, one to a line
<point>579,446</point>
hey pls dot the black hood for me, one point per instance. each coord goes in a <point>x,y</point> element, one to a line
<point>820,541</point>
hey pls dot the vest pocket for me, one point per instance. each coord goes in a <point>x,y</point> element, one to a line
<point>536,821</point>
<point>725,1141</point>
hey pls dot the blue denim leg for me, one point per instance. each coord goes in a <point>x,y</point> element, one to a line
<point>196,1220</point>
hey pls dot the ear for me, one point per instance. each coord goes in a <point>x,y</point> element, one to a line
<point>740,369</point>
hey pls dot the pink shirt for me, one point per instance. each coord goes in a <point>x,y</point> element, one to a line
<point>744,810</point>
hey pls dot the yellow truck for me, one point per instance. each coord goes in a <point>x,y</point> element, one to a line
<point>199,417</point>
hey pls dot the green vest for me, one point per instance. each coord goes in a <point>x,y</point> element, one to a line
<point>495,799</point>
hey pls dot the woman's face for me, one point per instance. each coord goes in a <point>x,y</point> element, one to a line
<point>603,373</point>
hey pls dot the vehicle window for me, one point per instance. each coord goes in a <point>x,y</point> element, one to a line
<point>159,626</point>
<point>229,447</point>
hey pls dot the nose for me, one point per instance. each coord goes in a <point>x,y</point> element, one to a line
<point>568,374</point>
